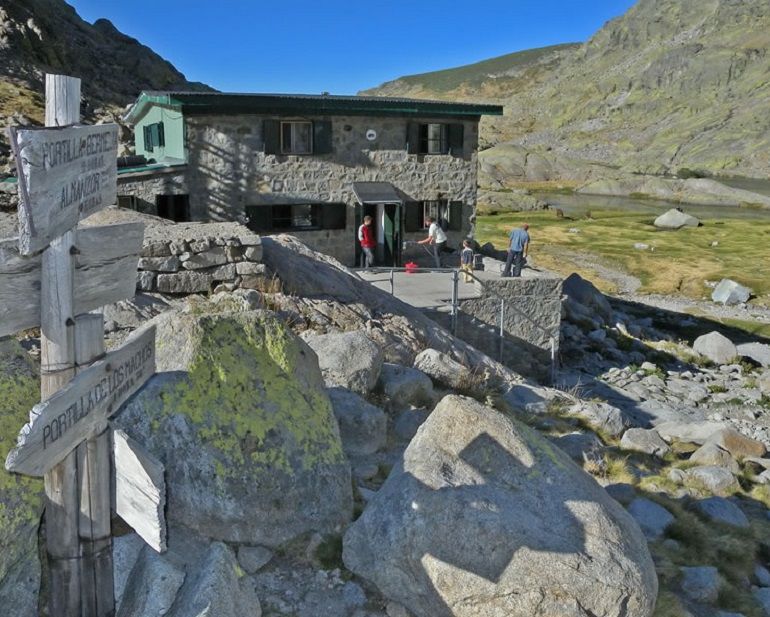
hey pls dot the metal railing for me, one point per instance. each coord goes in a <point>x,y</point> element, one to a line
<point>455,305</point>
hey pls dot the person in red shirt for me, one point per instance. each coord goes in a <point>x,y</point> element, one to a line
<point>368,243</point>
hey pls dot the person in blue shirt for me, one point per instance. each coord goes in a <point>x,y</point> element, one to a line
<point>518,247</point>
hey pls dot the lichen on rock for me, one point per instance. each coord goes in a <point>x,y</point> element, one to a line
<point>245,428</point>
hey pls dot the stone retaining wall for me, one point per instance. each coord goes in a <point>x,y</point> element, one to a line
<point>531,318</point>
<point>198,258</point>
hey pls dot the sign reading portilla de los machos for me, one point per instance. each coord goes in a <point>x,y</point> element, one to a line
<point>82,407</point>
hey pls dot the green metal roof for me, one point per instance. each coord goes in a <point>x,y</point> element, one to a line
<point>222,103</point>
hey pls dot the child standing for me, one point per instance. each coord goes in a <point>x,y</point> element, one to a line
<point>466,261</point>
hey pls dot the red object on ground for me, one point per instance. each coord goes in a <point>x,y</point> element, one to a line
<point>411,267</point>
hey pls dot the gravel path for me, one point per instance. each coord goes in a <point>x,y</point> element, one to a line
<point>625,283</point>
<point>681,304</point>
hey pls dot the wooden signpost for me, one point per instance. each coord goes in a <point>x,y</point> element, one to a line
<point>66,173</point>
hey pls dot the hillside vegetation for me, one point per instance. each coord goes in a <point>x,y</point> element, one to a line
<point>48,36</point>
<point>671,84</point>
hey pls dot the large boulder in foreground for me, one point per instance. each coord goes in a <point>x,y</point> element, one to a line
<point>484,517</point>
<point>245,428</point>
<point>21,501</point>
<point>675,219</point>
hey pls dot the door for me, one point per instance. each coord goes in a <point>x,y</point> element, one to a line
<point>392,234</point>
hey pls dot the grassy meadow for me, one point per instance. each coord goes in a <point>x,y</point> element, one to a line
<point>676,262</point>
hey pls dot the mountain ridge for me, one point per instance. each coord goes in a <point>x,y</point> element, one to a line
<point>48,36</point>
<point>669,85</point>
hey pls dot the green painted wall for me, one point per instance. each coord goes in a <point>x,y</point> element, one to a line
<point>173,126</point>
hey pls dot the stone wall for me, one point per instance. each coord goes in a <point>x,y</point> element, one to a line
<point>227,170</point>
<point>145,185</point>
<point>198,258</point>
<point>531,319</point>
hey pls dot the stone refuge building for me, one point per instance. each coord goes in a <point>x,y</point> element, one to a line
<point>310,165</point>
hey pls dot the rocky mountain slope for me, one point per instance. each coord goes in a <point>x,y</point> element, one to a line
<point>671,84</point>
<point>40,36</point>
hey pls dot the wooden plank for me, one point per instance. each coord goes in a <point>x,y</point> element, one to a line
<point>82,407</point>
<point>96,573</point>
<point>65,175</point>
<point>105,272</point>
<point>140,490</point>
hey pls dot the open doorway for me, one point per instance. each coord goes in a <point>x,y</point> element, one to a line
<point>387,227</point>
<point>173,207</point>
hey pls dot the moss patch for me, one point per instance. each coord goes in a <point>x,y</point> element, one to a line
<point>247,397</point>
<point>22,496</point>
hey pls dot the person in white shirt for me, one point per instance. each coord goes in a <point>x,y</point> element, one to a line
<point>436,238</point>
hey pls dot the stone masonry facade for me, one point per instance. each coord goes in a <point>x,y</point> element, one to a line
<point>227,170</point>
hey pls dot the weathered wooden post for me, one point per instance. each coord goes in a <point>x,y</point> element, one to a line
<point>66,173</point>
<point>57,365</point>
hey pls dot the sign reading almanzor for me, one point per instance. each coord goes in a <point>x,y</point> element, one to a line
<point>65,175</point>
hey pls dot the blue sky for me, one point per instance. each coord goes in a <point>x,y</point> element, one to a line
<point>341,47</point>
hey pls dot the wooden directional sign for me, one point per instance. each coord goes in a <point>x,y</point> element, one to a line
<point>105,272</point>
<point>65,174</point>
<point>139,490</point>
<point>81,408</point>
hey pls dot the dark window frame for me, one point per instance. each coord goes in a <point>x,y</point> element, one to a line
<point>291,148</point>
<point>442,212</point>
<point>434,138</point>
<point>299,217</point>
<point>154,136</point>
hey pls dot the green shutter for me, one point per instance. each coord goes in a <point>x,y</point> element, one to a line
<point>456,215</point>
<point>260,218</point>
<point>413,138</point>
<point>456,139</point>
<point>413,216</point>
<point>333,216</point>
<point>322,137</point>
<point>147,139</point>
<point>161,135</point>
<point>271,135</point>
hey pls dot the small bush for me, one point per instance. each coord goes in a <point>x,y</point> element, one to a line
<point>685,173</point>
<point>329,552</point>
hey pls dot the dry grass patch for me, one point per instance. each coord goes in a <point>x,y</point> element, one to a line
<point>680,262</point>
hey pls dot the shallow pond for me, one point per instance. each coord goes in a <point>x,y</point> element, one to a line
<point>577,205</point>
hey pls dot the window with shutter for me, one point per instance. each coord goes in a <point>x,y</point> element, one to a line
<point>413,216</point>
<point>147,138</point>
<point>413,138</point>
<point>296,137</point>
<point>333,216</point>
<point>456,139</point>
<point>271,135</point>
<point>456,215</point>
<point>322,137</point>
<point>433,137</point>
<point>259,218</point>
